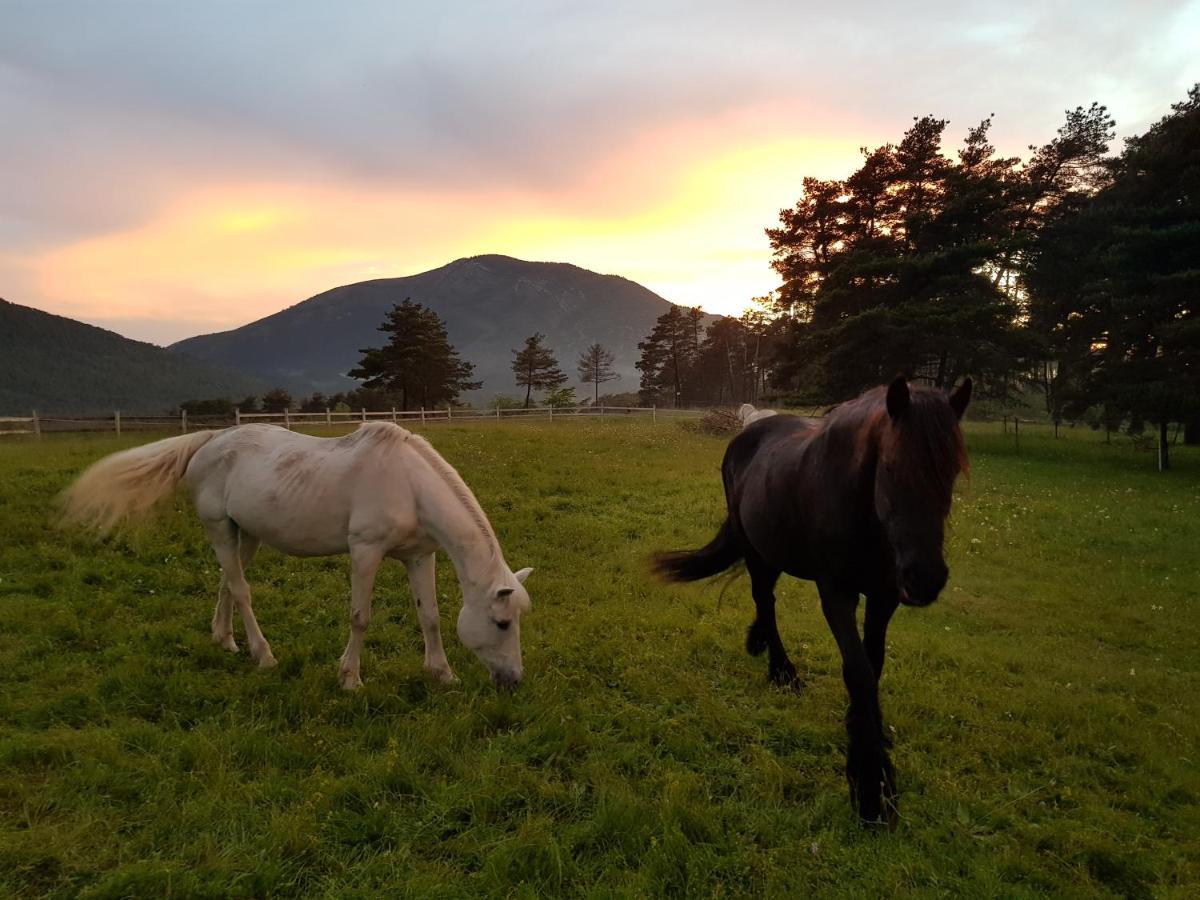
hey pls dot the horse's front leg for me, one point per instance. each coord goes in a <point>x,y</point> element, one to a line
<point>424,591</point>
<point>364,563</point>
<point>880,608</point>
<point>868,768</point>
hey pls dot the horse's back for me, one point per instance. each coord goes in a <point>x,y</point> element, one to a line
<point>302,494</point>
<point>760,474</point>
<point>762,434</point>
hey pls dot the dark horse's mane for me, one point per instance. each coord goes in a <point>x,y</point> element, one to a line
<point>865,423</point>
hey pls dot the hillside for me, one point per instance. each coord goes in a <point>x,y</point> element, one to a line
<point>490,305</point>
<point>58,365</point>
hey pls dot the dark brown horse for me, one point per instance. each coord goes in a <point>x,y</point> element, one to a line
<point>856,502</point>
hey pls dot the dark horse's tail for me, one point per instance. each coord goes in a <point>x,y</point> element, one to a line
<point>715,557</point>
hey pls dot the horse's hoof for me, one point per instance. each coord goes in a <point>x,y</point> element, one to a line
<point>351,682</point>
<point>785,676</point>
<point>874,795</point>
<point>445,676</point>
<point>267,661</point>
<point>225,641</point>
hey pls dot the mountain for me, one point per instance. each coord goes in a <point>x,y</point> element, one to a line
<point>490,304</point>
<point>57,365</point>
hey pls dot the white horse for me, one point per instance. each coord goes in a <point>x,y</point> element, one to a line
<point>747,414</point>
<point>379,491</point>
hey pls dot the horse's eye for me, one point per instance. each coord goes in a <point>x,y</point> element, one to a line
<point>502,624</point>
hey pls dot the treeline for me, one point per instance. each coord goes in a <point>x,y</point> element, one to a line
<point>731,361</point>
<point>1073,275</point>
<point>418,368</point>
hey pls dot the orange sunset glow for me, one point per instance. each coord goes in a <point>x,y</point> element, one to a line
<point>161,203</point>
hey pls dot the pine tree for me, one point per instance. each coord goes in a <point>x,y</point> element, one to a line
<point>1115,285</point>
<point>535,367</point>
<point>669,354</point>
<point>277,400</point>
<point>915,262</point>
<point>418,366</point>
<point>595,368</point>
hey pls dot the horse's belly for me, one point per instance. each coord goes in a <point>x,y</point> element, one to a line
<point>296,531</point>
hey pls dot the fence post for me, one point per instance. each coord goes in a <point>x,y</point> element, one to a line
<point>328,418</point>
<point>448,412</point>
<point>602,410</point>
<point>37,425</point>
<point>117,419</point>
<point>654,413</point>
<point>364,414</point>
<point>552,414</point>
<point>287,419</point>
<point>1017,432</point>
<point>183,421</point>
<point>497,409</point>
<point>393,414</point>
<point>422,415</point>
<point>237,415</point>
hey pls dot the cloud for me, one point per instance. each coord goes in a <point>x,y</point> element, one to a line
<point>571,124</point>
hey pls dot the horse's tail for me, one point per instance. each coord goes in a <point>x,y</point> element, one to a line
<point>715,557</point>
<point>127,484</point>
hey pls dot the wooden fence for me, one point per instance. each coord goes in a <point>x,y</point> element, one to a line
<point>119,422</point>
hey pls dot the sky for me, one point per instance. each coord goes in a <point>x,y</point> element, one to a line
<point>172,169</point>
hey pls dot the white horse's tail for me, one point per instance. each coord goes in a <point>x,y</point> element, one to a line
<point>127,484</point>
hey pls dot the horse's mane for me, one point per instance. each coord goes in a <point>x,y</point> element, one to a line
<point>388,432</point>
<point>930,421</point>
<point>457,486</point>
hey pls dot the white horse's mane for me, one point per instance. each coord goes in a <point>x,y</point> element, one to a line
<point>444,470</point>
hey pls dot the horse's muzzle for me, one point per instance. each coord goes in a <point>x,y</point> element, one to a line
<point>507,679</point>
<point>920,585</point>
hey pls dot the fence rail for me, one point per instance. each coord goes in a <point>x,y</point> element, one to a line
<point>118,422</point>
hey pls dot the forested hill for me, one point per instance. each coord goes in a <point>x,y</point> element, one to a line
<point>58,365</point>
<point>490,304</point>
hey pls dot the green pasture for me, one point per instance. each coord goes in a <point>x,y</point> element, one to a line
<point>1044,711</point>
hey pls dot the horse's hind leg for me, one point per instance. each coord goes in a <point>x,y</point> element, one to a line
<point>222,623</point>
<point>764,632</point>
<point>223,534</point>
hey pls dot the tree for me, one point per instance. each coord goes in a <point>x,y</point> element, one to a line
<point>277,400</point>
<point>535,367</point>
<point>669,354</point>
<point>915,262</point>
<point>503,401</point>
<point>247,404</point>
<point>318,402</point>
<point>595,368</point>
<point>219,406</point>
<point>1115,286</point>
<point>418,366</point>
<point>561,398</point>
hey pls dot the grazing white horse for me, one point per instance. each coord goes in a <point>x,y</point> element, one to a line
<point>379,491</point>
<point>747,414</point>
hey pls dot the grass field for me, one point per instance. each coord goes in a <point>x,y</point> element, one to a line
<point>1045,709</point>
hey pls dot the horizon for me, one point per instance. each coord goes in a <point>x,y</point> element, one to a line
<point>185,171</point>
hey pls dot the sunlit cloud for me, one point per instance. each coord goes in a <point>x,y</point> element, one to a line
<point>194,167</point>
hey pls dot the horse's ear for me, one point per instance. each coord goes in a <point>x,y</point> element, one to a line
<point>898,398</point>
<point>523,574</point>
<point>961,397</point>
